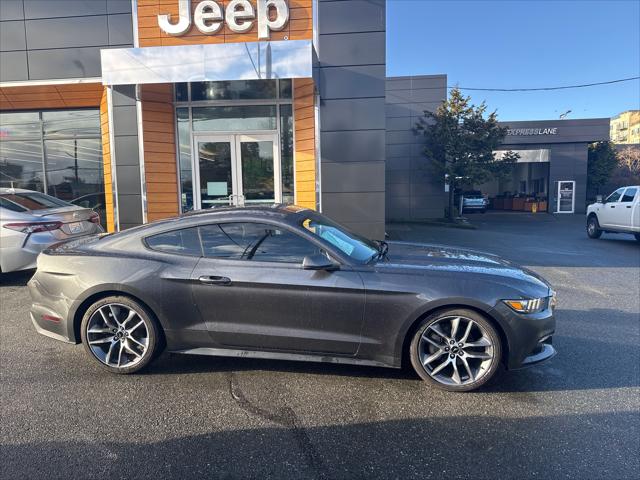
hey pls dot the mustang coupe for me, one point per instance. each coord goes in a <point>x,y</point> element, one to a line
<point>282,282</point>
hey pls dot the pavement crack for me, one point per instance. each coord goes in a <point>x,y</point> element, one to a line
<point>284,416</point>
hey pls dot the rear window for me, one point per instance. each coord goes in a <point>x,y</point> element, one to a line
<point>34,200</point>
<point>629,195</point>
<point>14,207</point>
<point>182,242</point>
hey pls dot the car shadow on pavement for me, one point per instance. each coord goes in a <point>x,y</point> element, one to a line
<point>16,279</point>
<point>582,363</point>
<point>593,445</point>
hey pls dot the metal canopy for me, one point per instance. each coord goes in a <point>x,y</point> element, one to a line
<point>195,63</point>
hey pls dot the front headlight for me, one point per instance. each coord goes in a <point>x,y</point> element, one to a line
<point>533,305</point>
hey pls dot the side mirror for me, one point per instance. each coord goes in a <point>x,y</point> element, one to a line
<point>599,199</point>
<point>318,262</point>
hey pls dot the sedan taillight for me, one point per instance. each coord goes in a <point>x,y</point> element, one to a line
<point>33,227</point>
<point>95,218</point>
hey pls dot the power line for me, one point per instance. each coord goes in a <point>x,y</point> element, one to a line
<point>544,88</point>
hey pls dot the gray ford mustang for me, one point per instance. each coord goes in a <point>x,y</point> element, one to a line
<point>288,283</point>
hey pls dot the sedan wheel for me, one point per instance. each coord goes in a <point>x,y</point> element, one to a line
<point>120,334</point>
<point>457,350</point>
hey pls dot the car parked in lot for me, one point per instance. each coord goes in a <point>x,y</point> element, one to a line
<point>472,201</point>
<point>618,213</point>
<point>31,221</point>
<point>286,282</point>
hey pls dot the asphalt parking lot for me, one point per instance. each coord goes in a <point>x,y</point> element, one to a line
<point>576,416</point>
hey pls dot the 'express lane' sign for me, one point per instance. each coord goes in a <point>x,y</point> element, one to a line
<point>532,131</point>
<point>208,17</point>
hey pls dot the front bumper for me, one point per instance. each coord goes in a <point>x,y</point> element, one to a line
<point>529,337</point>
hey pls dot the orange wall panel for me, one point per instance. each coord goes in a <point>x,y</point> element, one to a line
<point>304,133</point>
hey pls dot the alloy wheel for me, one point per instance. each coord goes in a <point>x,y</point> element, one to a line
<point>117,335</point>
<point>456,350</point>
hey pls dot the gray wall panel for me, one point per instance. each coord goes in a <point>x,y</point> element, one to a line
<point>63,8</point>
<point>125,120</point>
<point>118,6</point>
<point>64,63</point>
<point>128,179</point>
<point>352,82</point>
<point>412,191</point>
<point>11,10</point>
<point>354,49</point>
<point>352,114</point>
<point>12,36</point>
<point>357,146</point>
<point>13,66</point>
<point>62,38</point>
<point>349,16</point>
<point>353,177</point>
<point>350,74</point>
<point>120,31</point>
<point>67,32</point>
<point>129,211</point>
<point>126,148</point>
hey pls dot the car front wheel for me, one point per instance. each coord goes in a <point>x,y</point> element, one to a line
<point>120,334</point>
<point>593,227</point>
<point>456,350</point>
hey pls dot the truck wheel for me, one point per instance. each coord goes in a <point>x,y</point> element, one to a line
<point>593,227</point>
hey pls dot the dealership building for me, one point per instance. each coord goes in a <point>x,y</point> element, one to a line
<point>144,109</point>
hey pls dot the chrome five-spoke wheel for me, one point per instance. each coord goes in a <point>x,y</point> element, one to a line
<point>457,350</point>
<point>119,333</point>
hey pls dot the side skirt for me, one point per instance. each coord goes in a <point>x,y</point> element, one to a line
<point>224,352</point>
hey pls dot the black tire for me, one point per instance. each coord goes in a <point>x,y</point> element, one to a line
<point>637,235</point>
<point>488,329</point>
<point>593,227</point>
<point>153,339</point>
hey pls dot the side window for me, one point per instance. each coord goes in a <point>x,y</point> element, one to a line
<point>182,242</point>
<point>629,195</point>
<point>254,241</point>
<point>615,196</point>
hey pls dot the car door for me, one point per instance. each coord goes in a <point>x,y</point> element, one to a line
<point>253,293</point>
<point>623,216</point>
<point>607,215</point>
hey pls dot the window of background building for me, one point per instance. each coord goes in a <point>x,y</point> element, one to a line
<point>58,152</point>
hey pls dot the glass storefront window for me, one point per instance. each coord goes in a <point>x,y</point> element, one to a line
<point>285,88</point>
<point>241,118</point>
<point>182,92</point>
<point>14,126</point>
<point>184,140</point>
<point>234,90</point>
<point>70,166</point>
<point>286,152</point>
<point>71,123</point>
<point>74,168</point>
<point>21,165</point>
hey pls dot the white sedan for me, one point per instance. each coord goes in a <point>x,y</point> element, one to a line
<point>31,221</point>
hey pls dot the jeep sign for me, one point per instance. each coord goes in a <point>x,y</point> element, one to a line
<point>239,15</point>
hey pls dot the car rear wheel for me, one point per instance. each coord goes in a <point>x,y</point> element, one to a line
<point>456,350</point>
<point>120,334</point>
<point>593,227</point>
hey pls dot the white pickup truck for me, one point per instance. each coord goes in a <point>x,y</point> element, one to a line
<point>619,213</point>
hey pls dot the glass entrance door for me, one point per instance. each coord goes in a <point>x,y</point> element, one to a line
<point>566,196</point>
<point>236,170</point>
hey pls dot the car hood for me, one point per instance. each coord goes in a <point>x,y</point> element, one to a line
<point>421,257</point>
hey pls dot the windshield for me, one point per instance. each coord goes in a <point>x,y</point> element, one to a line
<point>34,200</point>
<point>351,244</point>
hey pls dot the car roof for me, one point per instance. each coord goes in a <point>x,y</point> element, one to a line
<point>288,214</point>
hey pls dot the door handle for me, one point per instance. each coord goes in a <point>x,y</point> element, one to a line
<point>613,206</point>
<point>214,280</point>
<point>628,206</point>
